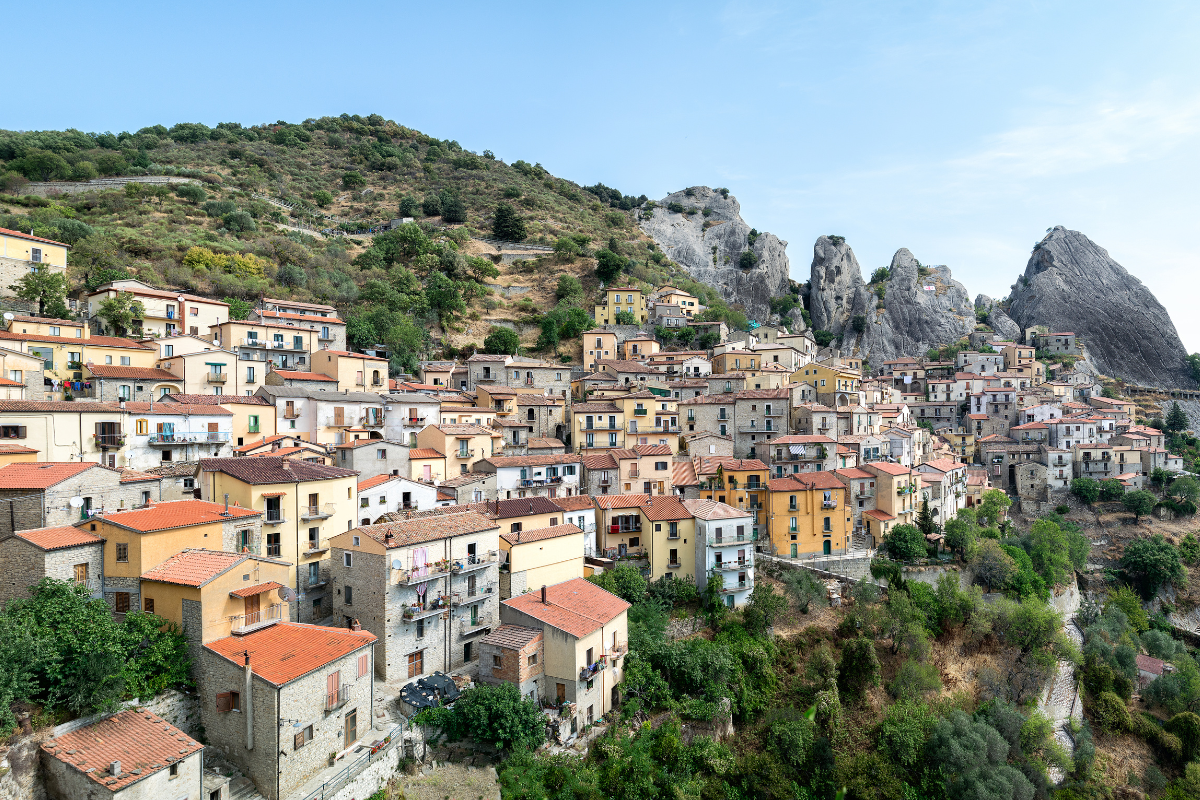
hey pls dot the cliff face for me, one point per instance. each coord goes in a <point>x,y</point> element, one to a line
<point>709,248</point>
<point>913,318</point>
<point>1071,283</point>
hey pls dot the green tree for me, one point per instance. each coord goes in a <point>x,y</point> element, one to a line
<point>191,192</point>
<point>569,288</point>
<point>1130,604</point>
<point>41,165</point>
<point>1086,489</point>
<point>444,297</point>
<point>1184,490</point>
<point>566,248</point>
<point>859,667</point>
<point>1111,489</point>
<point>1176,420</point>
<point>962,532</point>
<point>747,259</point>
<point>322,198</point>
<point>507,224</point>
<point>625,582</point>
<point>1187,727</point>
<point>1049,552</point>
<point>453,210</point>
<point>905,543</point>
<point>764,608</point>
<point>353,180</point>
<point>1139,502</point>
<point>992,507</point>
<point>803,588</point>
<point>408,206</point>
<point>121,312</point>
<point>48,288</point>
<point>1151,562</point>
<point>926,521</point>
<point>495,715</point>
<point>502,342</point>
<point>993,566</point>
<point>239,308</point>
<point>609,265</point>
<point>971,760</point>
<point>624,318</point>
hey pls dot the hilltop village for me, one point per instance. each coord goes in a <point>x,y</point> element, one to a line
<point>334,542</point>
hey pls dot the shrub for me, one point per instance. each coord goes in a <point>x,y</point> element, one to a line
<point>1111,714</point>
<point>239,221</point>
<point>1140,502</point>
<point>408,206</point>
<point>881,275</point>
<point>322,198</point>
<point>609,265</point>
<point>242,265</point>
<point>1086,489</point>
<point>507,224</point>
<point>353,180</point>
<point>1186,726</point>
<point>1151,562</point>
<point>859,323</point>
<point>502,341</point>
<point>192,192</point>
<point>823,338</point>
<point>905,543</point>
<point>747,259</point>
<point>431,206</point>
<point>675,208</point>
<point>1062,510</point>
<point>495,715</point>
<point>914,679</point>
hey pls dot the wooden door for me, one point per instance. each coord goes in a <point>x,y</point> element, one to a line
<point>351,727</point>
<point>252,609</point>
<point>212,431</point>
<point>339,416</point>
<point>560,692</point>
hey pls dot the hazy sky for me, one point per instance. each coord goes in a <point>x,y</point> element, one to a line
<point>961,130</point>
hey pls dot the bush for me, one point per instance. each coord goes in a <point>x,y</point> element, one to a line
<point>494,715</point>
<point>914,679</point>
<point>239,222</point>
<point>191,192</point>
<point>408,206</point>
<point>1111,714</point>
<point>609,265</point>
<point>906,543</point>
<point>1062,510</point>
<point>1086,489</point>
<point>322,198</point>
<point>881,275</point>
<point>859,323</point>
<point>1139,502</point>
<point>507,224</point>
<point>453,210</point>
<point>1151,562</point>
<point>747,259</point>
<point>1111,489</point>
<point>353,180</point>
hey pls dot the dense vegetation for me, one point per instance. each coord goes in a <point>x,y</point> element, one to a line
<point>409,288</point>
<point>63,652</point>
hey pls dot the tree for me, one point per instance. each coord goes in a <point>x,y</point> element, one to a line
<point>566,248</point>
<point>624,318</point>
<point>239,308</point>
<point>507,224</point>
<point>992,507</point>
<point>962,532</point>
<point>803,588</point>
<point>1140,502</point>
<point>569,288</point>
<point>1185,490</point>
<point>972,760</point>
<point>496,715</point>
<point>1086,489</point>
<point>609,265</point>
<point>353,180</point>
<point>1049,552</point>
<point>1151,562</point>
<point>925,520</point>
<point>905,543</point>
<point>859,323</point>
<point>408,206</point>
<point>1130,605</point>
<point>1176,420</point>
<point>764,608</point>
<point>823,338</point>
<point>453,210</point>
<point>1187,727</point>
<point>48,288</point>
<point>747,259</point>
<point>192,192</point>
<point>444,297</point>
<point>1111,489</point>
<point>859,667</point>
<point>502,342</point>
<point>121,311</point>
<point>431,205</point>
<point>992,565</point>
<point>41,165</point>
<point>625,582</point>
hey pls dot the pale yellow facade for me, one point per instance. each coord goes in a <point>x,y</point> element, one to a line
<point>354,372</point>
<point>461,450</point>
<point>621,298</point>
<point>545,562</point>
<point>52,254</point>
<point>212,371</point>
<point>72,433</point>
<point>21,368</point>
<point>148,550</point>
<point>672,546</point>
<point>165,311</point>
<point>221,613</point>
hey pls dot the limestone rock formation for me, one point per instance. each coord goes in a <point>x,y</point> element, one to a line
<point>1071,283</point>
<point>710,248</point>
<point>922,307</point>
<point>999,321</point>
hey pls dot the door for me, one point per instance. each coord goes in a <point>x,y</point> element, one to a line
<point>252,609</point>
<point>351,727</point>
<point>828,547</point>
<point>560,692</point>
<point>212,431</point>
<point>793,553</point>
<point>339,416</point>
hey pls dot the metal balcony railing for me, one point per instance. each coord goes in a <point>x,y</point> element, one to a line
<point>727,566</point>
<point>335,700</point>
<point>459,566</point>
<point>107,440</point>
<point>480,623</point>
<point>415,421</point>
<point>740,586</point>
<point>324,511</point>
<point>723,541</point>
<point>410,577</point>
<point>591,670</point>
<point>253,343</point>
<point>216,377</point>
<point>673,564</point>
<point>371,420</point>
<point>466,597</point>
<point>274,518</point>
<point>245,623</point>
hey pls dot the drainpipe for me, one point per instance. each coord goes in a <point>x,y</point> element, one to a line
<point>248,706</point>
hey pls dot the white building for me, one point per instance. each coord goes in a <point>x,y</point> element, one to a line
<point>533,476</point>
<point>407,413</point>
<point>386,493</point>
<point>580,511</point>
<point>724,548</point>
<point>165,433</point>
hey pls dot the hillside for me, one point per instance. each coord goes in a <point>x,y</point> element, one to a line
<point>266,192</point>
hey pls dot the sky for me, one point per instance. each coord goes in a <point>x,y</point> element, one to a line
<point>960,130</point>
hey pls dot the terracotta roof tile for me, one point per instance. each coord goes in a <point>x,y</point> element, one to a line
<point>286,651</point>
<point>273,470</point>
<point>30,237</point>
<point>666,507</point>
<point>611,501</point>
<point>176,514</point>
<point>58,538</point>
<point>194,567</point>
<point>94,341</point>
<point>501,462</point>
<point>517,507</point>
<point>132,373</point>
<point>371,483</point>
<point>41,474</point>
<point>577,502</point>
<point>512,637</point>
<point>13,447</point>
<point>888,467</point>
<point>143,742</point>
<point>542,443</point>
<point>258,588</point>
<point>807,481</point>
<point>224,399</point>
<point>424,452</point>
<point>709,464</point>
<point>577,607</point>
<point>882,516</point>
<point>683,473</point>
<point>73,406</point>
<point>711,509</point>
<point>540,534</point>
<point>418,528</point>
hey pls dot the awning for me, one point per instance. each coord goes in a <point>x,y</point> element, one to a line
<point>273,494</point>
<point>257,588</point>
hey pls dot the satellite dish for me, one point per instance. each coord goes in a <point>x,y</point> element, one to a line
<point>76,501</point>
<point>287,594</point>
<point>397,564</point>
<point>8,315</point>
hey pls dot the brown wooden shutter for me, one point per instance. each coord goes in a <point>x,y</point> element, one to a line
<point>223,702</point>
<point>99,427</point>
<point>339,416</point>
<point>298,742</point>
<point>21,434</point>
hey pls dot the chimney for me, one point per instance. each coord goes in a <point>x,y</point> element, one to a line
<point>114,769</point>
<point>544,595</point>
<point>355,625</point>
<point>226,512</point>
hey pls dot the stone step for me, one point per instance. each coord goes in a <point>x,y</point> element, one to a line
<point>242,788</point>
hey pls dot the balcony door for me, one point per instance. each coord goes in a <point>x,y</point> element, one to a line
<point>252,609</point>
<point>351,727</point>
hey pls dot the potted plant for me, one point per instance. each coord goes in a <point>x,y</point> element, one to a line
<point>332,757</point>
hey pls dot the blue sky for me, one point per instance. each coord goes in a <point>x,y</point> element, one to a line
<point>959,130</point>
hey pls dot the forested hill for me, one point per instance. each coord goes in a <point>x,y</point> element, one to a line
<point>423,288</point>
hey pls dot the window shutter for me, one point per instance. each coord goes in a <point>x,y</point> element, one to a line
<point>21,434</point>
<point>99,429</point>
<point>298,742</point>
<point>223,702</point>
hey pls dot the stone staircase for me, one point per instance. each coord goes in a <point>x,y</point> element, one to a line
<point>243,789</point>
<point>219,772</point>
<point>1061,703</point>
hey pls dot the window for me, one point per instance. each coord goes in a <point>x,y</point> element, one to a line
<point>302,738</point>
<point>659,466</point>
<point>12,431</point>
<point>124,361</point>
<point>122,552</point>
<point>381,455</point>
<point>121,602</point>
<point>531,659</point>
<point>314,573</point>
<point>416,663</point>
<point>273,548</point>
<point>347,559</point>
<point>148,605</point>
<point>362,665</point>
<point>514,527</point>
<point>35,255</point>
<point>349,595</point>
<point>124,392</point>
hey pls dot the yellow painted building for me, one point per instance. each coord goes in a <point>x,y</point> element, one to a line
<point>897,488</point>
<point>355,372</point>
<point>809,515</point>
<point>30,250</point>
<point>539,557</point>
<point>594,425</point>
<point>650,419</point>
<point>618,299</point>
<point>639,348</point>
<point>462,445</point>
<point>738,482</point>
<point>65,353</point>
<point>746,361</point>
<point>16,453</point>
<point>598,345</point>
<point>670,531</point>
<point>232,593</point>
<point>66,430</point>
<point>20,375</point>
<point>689,304</point>
<point>302,504</point>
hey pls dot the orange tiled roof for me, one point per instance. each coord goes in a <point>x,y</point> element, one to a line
<point>193,567</point>
<point>58,538</point>
<point>577,502</point>
<point>258,588</point>
<point>539,534</point>
<point>143,742</point>
<point>371,483</point>
<point>424,452</point>
<point>711,509</point>
<point>40,474</point>
<point>666,507</point>
<point>273,470</point>
<point>295,375</point>
<point>289,650</point>
<point>683,473</point>
<point>429,527</point>
<point>176,514</point>
<point>577,607</point>
<point>611,501</point>
<point>133,373</point>
<point>31,237</point>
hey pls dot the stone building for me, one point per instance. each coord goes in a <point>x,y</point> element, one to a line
<point>133,755</point>
<point>426,586</point>
<point>517,655</point>
<point>538,557</point>
<point>66,553</point>
<point>372,457</point>
<point>277,701</point>
<point>110,384</point>
<point>38,494</point>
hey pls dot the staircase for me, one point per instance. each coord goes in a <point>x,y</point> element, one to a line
<point>218,771</point>
<point>242,788</point>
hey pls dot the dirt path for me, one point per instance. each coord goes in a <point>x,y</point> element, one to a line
<point>448,782</point>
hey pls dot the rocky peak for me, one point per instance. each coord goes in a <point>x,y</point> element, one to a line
<point>1071,283</point>
<point>710,248</point>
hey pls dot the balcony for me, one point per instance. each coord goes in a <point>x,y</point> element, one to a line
<point>324,337</point>
<point>415,421</point>
<point>434,571</point>
<point>727,541</point>
<point>676,564</point>
<point>462,566</point>
<point>242,624</point>
<point>618,530</point>
<point>740,586</point>
<point>216,377</point>
<point>617,650</point>
<point>316,547</point>
<point>641,412</point>
<point>278,345</point>
<point>418,611</point>
<point>371,420</point>
<point>109,440</point>
<point>829,504</point>
<point>605,482</point>
<point>468,597</point>
<point>317,512</point>
<point>335,700</point>
<point>728,566</point>
<point>274,518</point>
<point>592,670</point>
<point>74,365</point>
<point>479,624</point>
<point>200,437</point>
<point>864,493</point>
<point>291,413</point>
<point>253,343</point>
<point>464,453</point>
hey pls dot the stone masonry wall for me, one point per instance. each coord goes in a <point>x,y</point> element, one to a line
<point>21,565</point>
<point>226,731</point>
<point>37,510</point>
<point>12,270</point>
